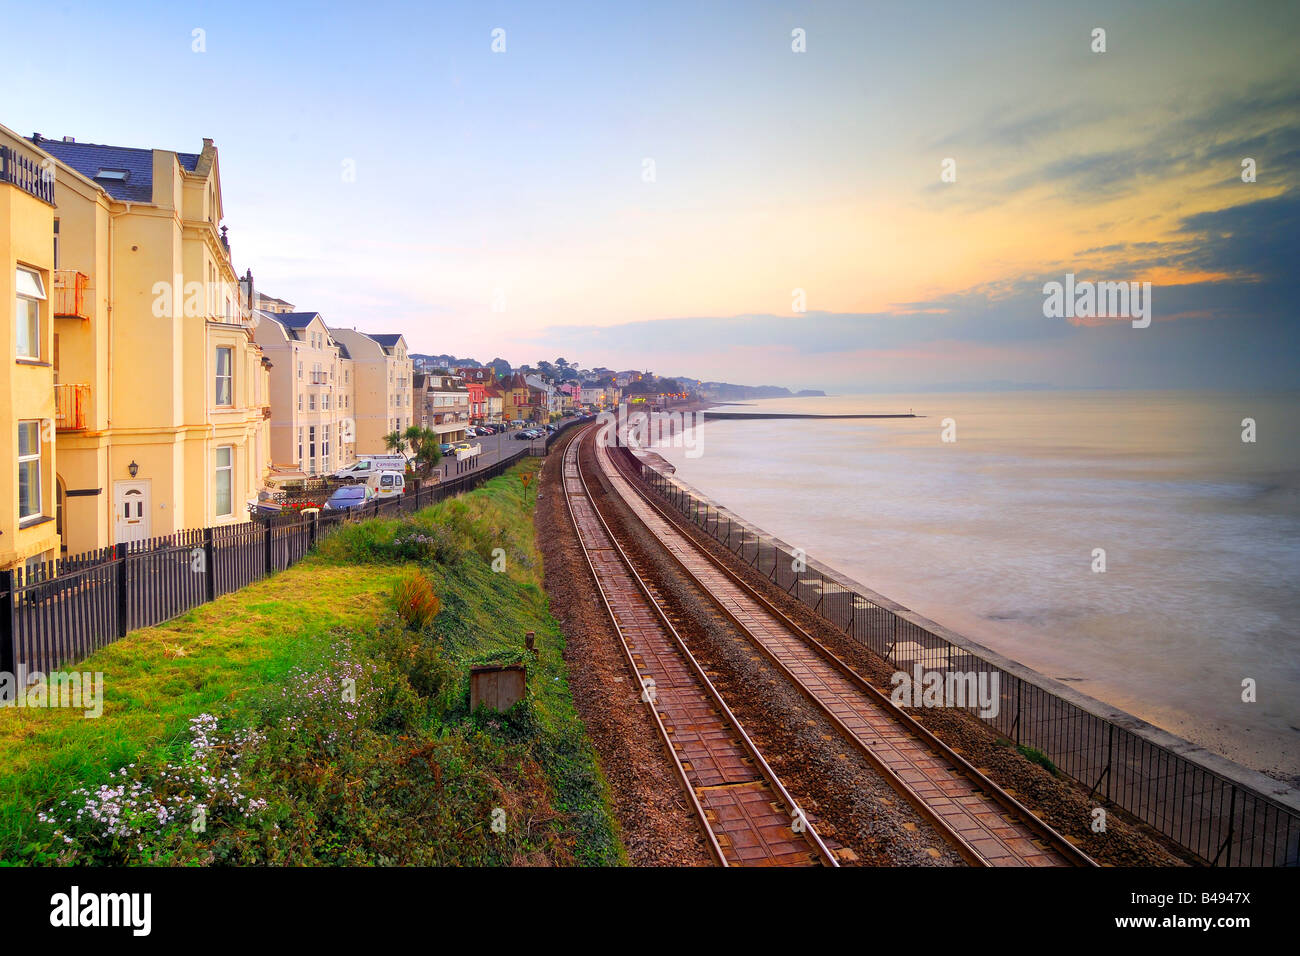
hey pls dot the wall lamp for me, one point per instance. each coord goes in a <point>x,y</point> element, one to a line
<point>133,468</point>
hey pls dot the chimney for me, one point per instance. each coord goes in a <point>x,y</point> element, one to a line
<point>69,139</point>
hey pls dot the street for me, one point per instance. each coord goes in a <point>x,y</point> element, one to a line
<point>493,446</point>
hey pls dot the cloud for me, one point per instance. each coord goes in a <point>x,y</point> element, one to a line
<point>1229,332</point>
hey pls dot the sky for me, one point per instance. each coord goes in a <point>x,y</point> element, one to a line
<point>646,185</point>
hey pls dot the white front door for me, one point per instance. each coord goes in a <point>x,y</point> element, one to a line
<point>131,506</point>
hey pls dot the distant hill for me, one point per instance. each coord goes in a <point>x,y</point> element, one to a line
<point>726,392</point>
<point>443,361</point>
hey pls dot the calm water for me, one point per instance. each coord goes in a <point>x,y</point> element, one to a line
<point>993,536</point>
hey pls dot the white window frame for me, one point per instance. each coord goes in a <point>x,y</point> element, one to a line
<point>229,469</point>
<point>30,289</point>
<point>27,459</point>
<point>229,378</point>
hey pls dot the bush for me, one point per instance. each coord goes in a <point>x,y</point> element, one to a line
<point>415,601</point>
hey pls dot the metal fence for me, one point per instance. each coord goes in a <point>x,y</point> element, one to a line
<point>57,614</point>
<point>1224,821</point>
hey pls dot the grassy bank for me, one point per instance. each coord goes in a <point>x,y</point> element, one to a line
<point>314,718</point>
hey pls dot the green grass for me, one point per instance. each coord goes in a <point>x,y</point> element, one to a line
<point>233,657</point>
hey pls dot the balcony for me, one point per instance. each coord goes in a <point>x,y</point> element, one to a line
<point>70,299</point>
<point>27,174</point>
<point>71,402</point>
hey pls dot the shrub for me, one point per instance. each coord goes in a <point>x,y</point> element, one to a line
<point>415,601</point>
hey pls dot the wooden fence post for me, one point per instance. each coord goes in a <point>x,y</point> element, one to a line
<point>8,623</point>
<point>123,592</point>
<point>209,564</point>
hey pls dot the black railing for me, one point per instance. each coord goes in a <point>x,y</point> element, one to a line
<point>27,174</point>
<point>57,614</point>
<point>1122,760</point>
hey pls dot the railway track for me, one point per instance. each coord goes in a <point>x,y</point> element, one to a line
<point>748,817</point>
<point>986,825</point>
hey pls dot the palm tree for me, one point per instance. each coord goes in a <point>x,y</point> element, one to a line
<point>426,447</point>
<point>412,437</point>
<point>393,441</point>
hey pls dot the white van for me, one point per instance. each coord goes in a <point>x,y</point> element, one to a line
<point>387,484</point>
<point>369,465</point>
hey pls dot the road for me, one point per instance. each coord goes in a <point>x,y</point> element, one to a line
<point>495,447</point>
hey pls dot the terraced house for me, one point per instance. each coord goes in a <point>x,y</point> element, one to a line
<point>311,392</point>
<point>443,404</point>
<point>382,390</point>
<point>162,394</point>
<point>29,517</point>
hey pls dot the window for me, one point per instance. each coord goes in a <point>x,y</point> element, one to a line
<point>299,370</point>
<point>31,293</point>
<point>225,478</point>
<point>224,382</point>
<point>325,401</point>
<point>325,448</point>
<point>300,401</point>
<point>56,243</point>
<point>311,402</point>
<point>300,448</point>
<point>311,449</point>
<point>29,469</point>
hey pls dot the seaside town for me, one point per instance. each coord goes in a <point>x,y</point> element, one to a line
<point>155,388</point>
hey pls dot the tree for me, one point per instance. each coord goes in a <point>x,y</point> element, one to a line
<point>393,441</point>
<point>424,442</point>
<point>501,367</point>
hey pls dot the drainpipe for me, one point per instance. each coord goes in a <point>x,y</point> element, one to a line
<point>110,504</point>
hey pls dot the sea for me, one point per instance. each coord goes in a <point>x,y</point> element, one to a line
<point>1129,543</point>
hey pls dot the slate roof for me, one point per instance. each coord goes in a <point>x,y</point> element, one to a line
<point>385,339</point>
<point>294,320</point>
<point>89,158</point>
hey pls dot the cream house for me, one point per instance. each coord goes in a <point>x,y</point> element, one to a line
<point>163,393</point>
<point>311,392</point>
<point>382,390</point>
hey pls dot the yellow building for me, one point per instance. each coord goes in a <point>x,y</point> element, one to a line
<point>311,391</point>
<point>28,500</point>
<point>163,395</point>
<point>380,371</point>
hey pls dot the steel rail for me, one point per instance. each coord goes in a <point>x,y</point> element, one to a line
<point>980,783</point>
<point>817,847</point>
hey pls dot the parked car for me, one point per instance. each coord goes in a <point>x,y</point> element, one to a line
<point>523,436</point>
<point>470,432</point>
<point>445,448</point>
<point>369,465</point>
<point>349,497</point>
<point>387,484</point>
